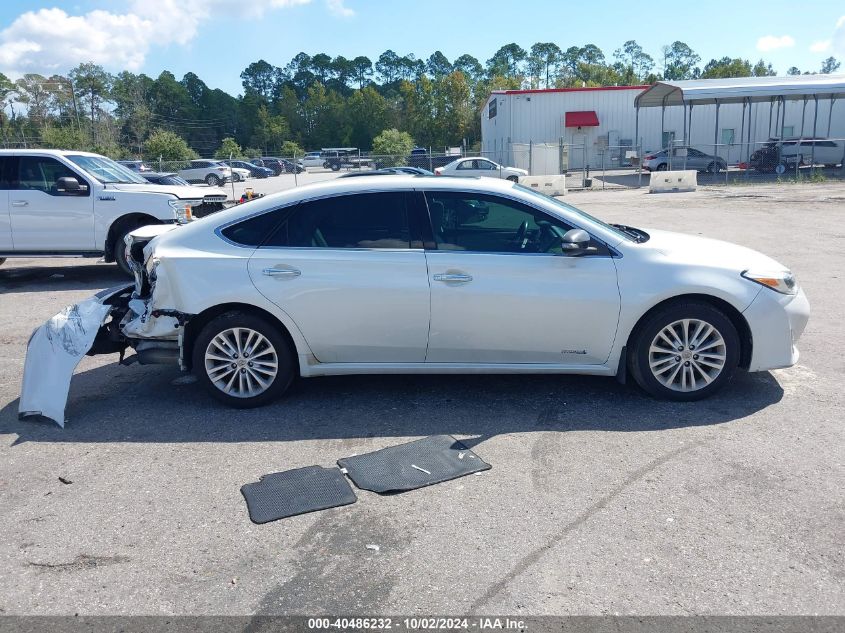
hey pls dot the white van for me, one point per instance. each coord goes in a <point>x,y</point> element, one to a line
<point>58,202</point>
<point>818,151</point>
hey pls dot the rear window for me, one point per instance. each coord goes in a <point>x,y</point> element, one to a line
<point>253,231</point>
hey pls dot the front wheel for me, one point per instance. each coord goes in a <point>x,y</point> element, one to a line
<point>714,168</point>
<point>243,360</point>
<point>686,351</point>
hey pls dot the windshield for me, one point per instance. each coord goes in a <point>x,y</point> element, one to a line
<point>106,170</point>
<point>570,208</point>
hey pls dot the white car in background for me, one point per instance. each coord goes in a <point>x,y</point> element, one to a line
<point>409,274</point>
<point>478,166</point>
<point>211,172</point>
<point>312,159</point>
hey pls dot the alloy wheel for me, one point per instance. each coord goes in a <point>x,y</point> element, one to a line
<point>687,355</point>
<point>241,362</point>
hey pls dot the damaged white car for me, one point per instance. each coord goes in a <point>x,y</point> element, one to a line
<point>410,274</point>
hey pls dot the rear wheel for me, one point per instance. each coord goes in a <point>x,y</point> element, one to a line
<point>713,168</point>
<point>236,177</point>
<point>243,360</point>
<point>335,166</point>
<point>685,351</point>
<point>212,180</point>
<point>662,167</point>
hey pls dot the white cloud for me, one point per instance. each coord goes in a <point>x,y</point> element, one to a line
<point>772,42</point>
<point>835,44</point>
<point>51,40</point>
<point>820,47</point>
<point>338,8</point>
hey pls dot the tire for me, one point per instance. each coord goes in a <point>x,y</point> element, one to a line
<point>662,167</point>
<point>666,375</point>
<point>335,166</point>
<point>212,180</point>
<point>713,168</point>
<point>513,178</point>
<point>236,177</point>
<point>119,249</point>
<point>247,392</point>
<point>2,260</point>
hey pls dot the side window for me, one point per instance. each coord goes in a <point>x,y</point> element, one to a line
<point>5,165</point>
<point>467,164</point>
<point>256,230</point>
<point>367,220</point>
<point>485,164</point>
<point>490,224</point>
<point>41,173</point>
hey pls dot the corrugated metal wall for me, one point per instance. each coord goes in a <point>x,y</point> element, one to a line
<point>539,117</point>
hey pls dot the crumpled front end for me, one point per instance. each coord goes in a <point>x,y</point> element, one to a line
<point>107,323</point>
<point>55,349</point>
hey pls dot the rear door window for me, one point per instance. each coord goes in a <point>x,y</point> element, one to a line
<point>366,220</point>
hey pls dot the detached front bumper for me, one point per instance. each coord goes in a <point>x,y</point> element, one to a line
<point>777,322</point>
<point>55,349</point>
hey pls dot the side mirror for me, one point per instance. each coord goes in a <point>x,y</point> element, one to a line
<point>70,186</point>
<point>575,242</point>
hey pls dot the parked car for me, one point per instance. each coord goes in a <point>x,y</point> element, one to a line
<point>782,154</point>
<point>388,171</point>
<point>239,174</point>
<point>278,165</point>
<point>695,159</point>
<point>438,275</point>
<point>477,166</point>
<point>336,158</point>
<point>211,172</point>
<point>135,165</point>
<point>165,178</point>
<point>79,203</point>
<point>420,157</point>
<point>254,170</point>
<point>312,159</point>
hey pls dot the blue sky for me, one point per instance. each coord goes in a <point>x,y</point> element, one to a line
<point>218,38</point>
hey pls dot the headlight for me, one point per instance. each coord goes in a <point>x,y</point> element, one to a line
<point>183,209</point>
<point>782,281</point>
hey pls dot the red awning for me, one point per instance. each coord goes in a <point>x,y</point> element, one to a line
<point>586,118</point>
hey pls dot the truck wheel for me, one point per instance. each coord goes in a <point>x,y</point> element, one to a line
<point>212,180</point>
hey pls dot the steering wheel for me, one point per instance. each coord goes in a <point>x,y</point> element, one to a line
<point>521,232</point>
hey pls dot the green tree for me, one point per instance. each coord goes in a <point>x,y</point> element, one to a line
<point>762,69</point>
<point>270,130</point>
<point>793,70</point>
<point>389,66</point>
<point>291,149</point>
<point>469,66</point>
<point>543,61</point>
<point>507,61</point>
<point>63,138</point>
<point>637,62</point>
<point>259,78</point>
<point>726,67</point>
<point>229,148</point>
<point>167,146</point>
<point>830,65</point>
<point>679,62</point>
<point>394,144</point>
<point>93,83</point>
<point>362,70</point>
<point>438,65</point>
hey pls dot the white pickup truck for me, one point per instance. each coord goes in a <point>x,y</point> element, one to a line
<point>57,202</point>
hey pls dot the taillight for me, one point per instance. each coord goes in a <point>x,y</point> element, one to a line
<point>437,172</point>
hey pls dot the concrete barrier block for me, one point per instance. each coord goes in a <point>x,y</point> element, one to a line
<point>552,185</point>
<point>671,181</point>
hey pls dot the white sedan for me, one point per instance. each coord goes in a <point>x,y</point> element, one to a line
<point>480,167</point>
<point>396,274</point>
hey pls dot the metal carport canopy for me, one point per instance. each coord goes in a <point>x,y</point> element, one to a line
<point>740,90</point>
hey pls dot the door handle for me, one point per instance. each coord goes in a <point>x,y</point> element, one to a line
<point>453,277</point>
<point>281,272</point>
<point>20,203</point>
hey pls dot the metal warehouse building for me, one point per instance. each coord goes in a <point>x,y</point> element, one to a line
<point>605,126</point>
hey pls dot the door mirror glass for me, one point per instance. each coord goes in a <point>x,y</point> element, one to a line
<point>575,242</point>
<point>70,186</point>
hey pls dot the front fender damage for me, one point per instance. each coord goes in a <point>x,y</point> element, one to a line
<point>142,317</point>
<point>55,349</point>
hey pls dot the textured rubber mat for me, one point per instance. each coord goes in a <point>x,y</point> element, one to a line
<point>292,492</point>
<point>412,465</point>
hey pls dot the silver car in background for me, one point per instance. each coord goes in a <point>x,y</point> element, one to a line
<point>694,159</point>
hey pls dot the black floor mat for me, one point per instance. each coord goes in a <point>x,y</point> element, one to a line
<point>292,492</point>
<point>412,465</point>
